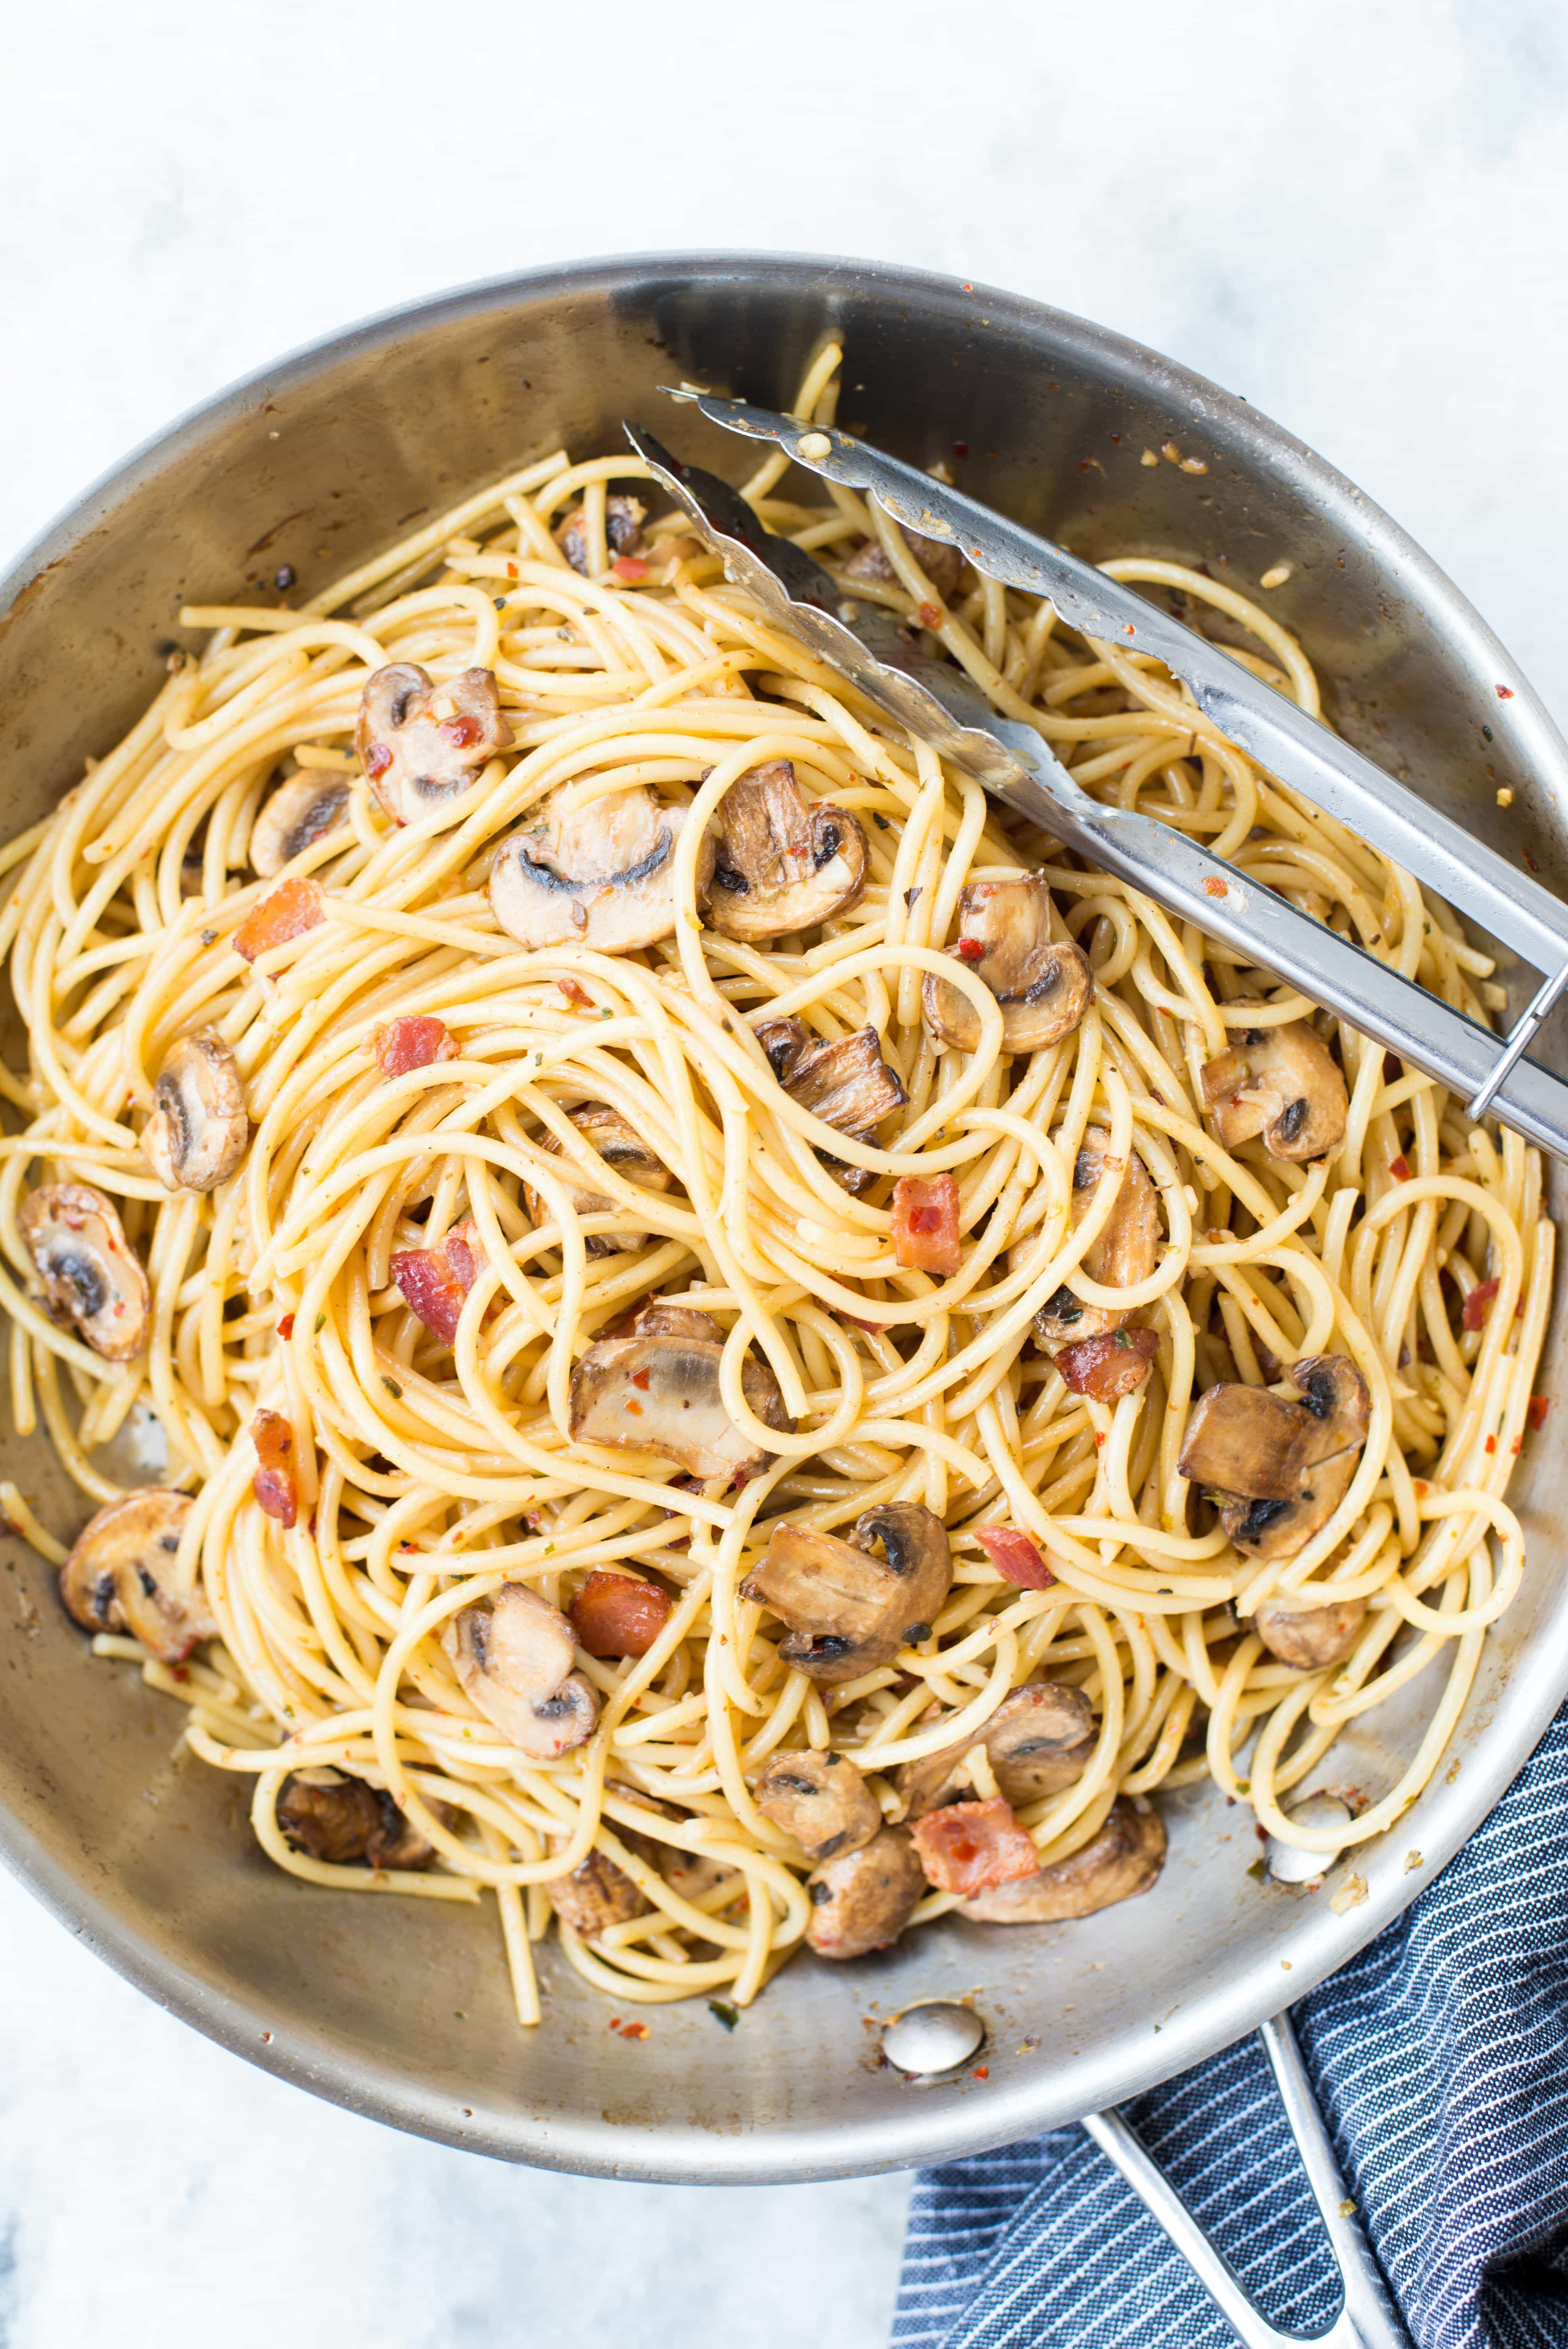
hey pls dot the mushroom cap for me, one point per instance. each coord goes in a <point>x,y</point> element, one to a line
<point>1276,1530</point>
<point>1122,1860</point>
<point>340,1819</point>
<point>599,876</point>
<point>624,519</point>
<point>120,1575</point>
<point>1043,984</point>
<point>421,743</point>
<point>862,1900</point>
<point>303,809</point>
<point>780,866</point>
<point>850,1605</point>
<point>1310,1638</point>
<point>1246,1440</point>
<point>940,559</point>
<point>1037,1742</point>
<point>1125,1253</point>
<point>845,1083</point>
<point>820,1799</point>
<point>1286,1465</point>
<point>621,1146</point>
<point>513,1654</point>
<point>198,1129</point>
<point>596,1893</point>
<point>1281,1082</point>
<point>77,1244</point>
<point>657,1391</point>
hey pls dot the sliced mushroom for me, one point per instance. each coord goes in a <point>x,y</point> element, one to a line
<point>1037,1742</point>
<point>657,1390</point>
<point>821,1800</point>
<point>1123,1859</point>
<point>846,1083</point>
<point>303,810</point>
<point>596,1894</point>
<point>850,1605</point>
<point>1043,984</point>
<point>514,1653</point>
<point>340,1819</point>
<point>1310,1638</point>
<point>79,1248</point>
<point>1284,1467</point>
<point>421,743</point>
<point>941,562</point>
<point>862,1900</point>
<point>624,519</point>
<point>620,1146</point>
<point>120,1575</point>
<point>1281,1082</point>
<point>1126,1252</point>
<point>782,865</point>
<point>199,1130</point>
<point>598,875</point>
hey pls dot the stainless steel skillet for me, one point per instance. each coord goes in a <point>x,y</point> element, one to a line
<point>313,463</point>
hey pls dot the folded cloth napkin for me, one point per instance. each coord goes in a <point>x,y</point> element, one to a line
<point>1439,2057</point>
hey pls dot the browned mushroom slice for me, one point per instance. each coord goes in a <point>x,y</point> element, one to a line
<point>850,1605</point>
<point>594,1895</point>
<point>514,1653</point>
<point>941,562</point>
<point>198,1129</point>
<point>339,1819</point>
<point>1310,1638</point>
<point>421,743</point>
<point>1284,1467</point>
<point>120,1575</point>
<point>821,1800</point>
<point>862,1900</point>
<point>1037,1742</point>
<point>846,1083</point>
<point>1281,1082</point>
<point>302,811</point>
<point>782,865</point>
<point>1043,984</point>
<point>1126,1252</point>
<point>1244,1439</point>
<point>623,520</point>
<point>1123,1859</point>
<point>77,1244</point>
<point>657,1390</point>
<point>600,875</point>
<point>620,1146</point>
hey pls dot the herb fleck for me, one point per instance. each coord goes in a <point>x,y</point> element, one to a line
<point>722,2012</point>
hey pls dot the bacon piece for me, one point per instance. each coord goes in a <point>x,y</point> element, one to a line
<point>1109,1367</point>
<point>273,1482</point>
<point>1015,1556</point>
<point>613,1616</point>
<point>435,1281</point>
<point>293,907</point>
<point>1478,1304</point>
<point>926,1224</point>
<point>1536,1411</point>
<point>971,1848</point>
<point>1400,1168</point>
<point>404,1044</point>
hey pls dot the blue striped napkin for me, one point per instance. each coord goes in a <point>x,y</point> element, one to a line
<point>1439,2057</point>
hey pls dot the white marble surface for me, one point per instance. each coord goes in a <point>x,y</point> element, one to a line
<point>1355,212</point>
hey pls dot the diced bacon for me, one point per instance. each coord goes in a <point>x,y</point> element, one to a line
<point>273,1482</point>
<point>1015,1556</point>
<point>1400,1168</point>
<point>613,1616</point>
<point>1478,1304</point>
<point>1536,1411</point>
<point>404,1044</point>
<point>630,567</point>
<point>435,1281</point>
<point>970,1848</point>
<point>926,1224</point>
<point>1110,1367</point>
<point>293,907</point>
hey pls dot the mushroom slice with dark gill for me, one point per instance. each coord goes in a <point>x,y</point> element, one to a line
<point>1281,1467</point>
<point>941,562</point>
<point>596,1894</point>
<point>90,1277</point>
<point>782,865</point>
<point>198,1129</point>
<point>862,1900</point>
<point>624,519</point>
<point>1123,1859</point>
<point>600,875</point>
<point>120,1575</point>
<point>303,810</point>
<point>850,1605</point>
<point>332,1818</point>
<point>657,1390</point>
<point>1037,1742</point>
<point>1309,1639</point>
<point>1043,984</point>
<point>421,743</point>
<point>1281,1082</point>
<point>621,1146</point>
<point>846,1083</point>
<point>514,1653</point>
<point>1125,1253</point>
<point>821,1800</point>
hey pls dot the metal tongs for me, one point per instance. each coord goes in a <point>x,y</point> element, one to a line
<point>939,702</point>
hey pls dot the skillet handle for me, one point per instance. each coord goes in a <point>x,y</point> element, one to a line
<point>1368,2319</point>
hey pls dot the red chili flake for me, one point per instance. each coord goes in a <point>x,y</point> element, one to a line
<point>293,907</point>
<point>628,2029</point>
<point>513,572</point>
<point>401,1045</point>
<point>1478,1304</point>
<point>574,993</point>
<point>1531,862</point>
<point>640,1379</point>
<point>1214,887</point>
<point>1015,1556</point>
<point>1537,1409</point>
<point>1491,1444</point>
<point>634,1409</point>
<point>462,732</point>
<point>181,1671</point>
<point>931,615</point>
<point>377,758</point>
<point>981,2072</point>
<point>1419,1486</point>
<point>285,1327</point>
<point>1400,1168</point>
<point>1116,437</point>
<point>961,447</point>
<point>1514,1447</point>
<point>972,949</point>
<point>1505,693</point>
<point>630,567</point>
